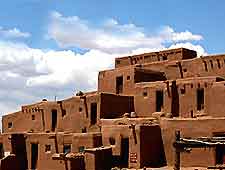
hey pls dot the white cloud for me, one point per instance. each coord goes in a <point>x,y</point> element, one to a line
<point>13,33</point>
<point>111,36</point>
<point>27,75</point>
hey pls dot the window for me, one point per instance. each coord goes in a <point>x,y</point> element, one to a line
<point>145,94</point>
<point>205,64</point>
<point>63,112</point>
<point>66,148</point>
<point>211,63</point>
<point>33,117</point>
<point>47,148</point>
<point>10,125</point>
<point>164,57</point>
<point>185,70</point>
<point>81,149</point>
<point>218,63</point>
<point>112,141</point>
<point>80,109</point>
<point>128,77</point>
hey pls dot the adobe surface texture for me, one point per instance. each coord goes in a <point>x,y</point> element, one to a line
<point>129,122</point>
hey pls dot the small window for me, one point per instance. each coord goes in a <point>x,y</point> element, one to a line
<point>63,112</point>
<point>33,117</point>
<point>47,148</point>
<point>81,149</point>
<point>182,90</point>
<point>84,130</point>
<point>218,63</point>
<point>66,149</point>
<point>185,70</point>
<point>205,64</point>
<point>128,77</point>
<point>112,141</point>
<point>192,85</point>
<point>164,57</point>
<point>145,94</point>
<point>10,125</point>
<point>211,63</point>
<point>80,109</point>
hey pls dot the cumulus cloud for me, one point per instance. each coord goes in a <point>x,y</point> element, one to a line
<point>13,33</point>
<point>27,74</point>
<point>111,36</point>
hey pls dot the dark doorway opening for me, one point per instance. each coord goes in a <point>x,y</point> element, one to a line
<point>124,152</point>
<point>34,155</point>
<point>200,99</point>
<point>159,100</point>
<point>18,143</point>
<point>54,119</point>
<point>220,150</point>
<point>93,113</point>
<point>1,151</point>
<point>119,85</point>
<point>175,108</point>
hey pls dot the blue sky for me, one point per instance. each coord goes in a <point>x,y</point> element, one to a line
<point>204,17</point>
<point>54,48</point>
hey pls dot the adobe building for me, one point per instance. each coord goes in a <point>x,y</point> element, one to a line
<point>129,122</point>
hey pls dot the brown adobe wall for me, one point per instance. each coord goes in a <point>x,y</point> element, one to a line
<point>146,102</point>
<point>200,127</point>
<point>166,55</point>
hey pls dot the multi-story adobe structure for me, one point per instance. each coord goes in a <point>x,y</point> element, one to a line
<point>128,122</point>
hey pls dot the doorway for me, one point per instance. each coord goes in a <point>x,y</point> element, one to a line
<point>54,119</point>
<point>18,144</point>
<point>34,155</point>
<point>200,99</point>
<point>93,113</point>
<point>119,84</point>
<point>159,100</point>
<point>124,152</point>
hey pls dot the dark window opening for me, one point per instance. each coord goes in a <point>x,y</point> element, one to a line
<point>182,91</point>
<point>124,152</point>
<point>145,94</point>
<point>117,61</point>
<point>206,67</point>
<point>200,99</point>
<point>34,156</point>
<point>119,85</point>
<point>211,63</point>
<point>192,114</point>
<point>54,119</point>
<point>84,130</point>
<point>112,141</point>
<point>164,57</point>
<point>80,109</point>
<point>93,113</point>
<point>10,125</point>
<point>47,148</point>
<point>159,100</point>
<point>192,85</point>
<point>66,148</point>
<point>33,117</point>
<point>218,63</point>
<point>128,77</point>
<point>63,112</point>
<point>81,149</point>
<point>185,70</point>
